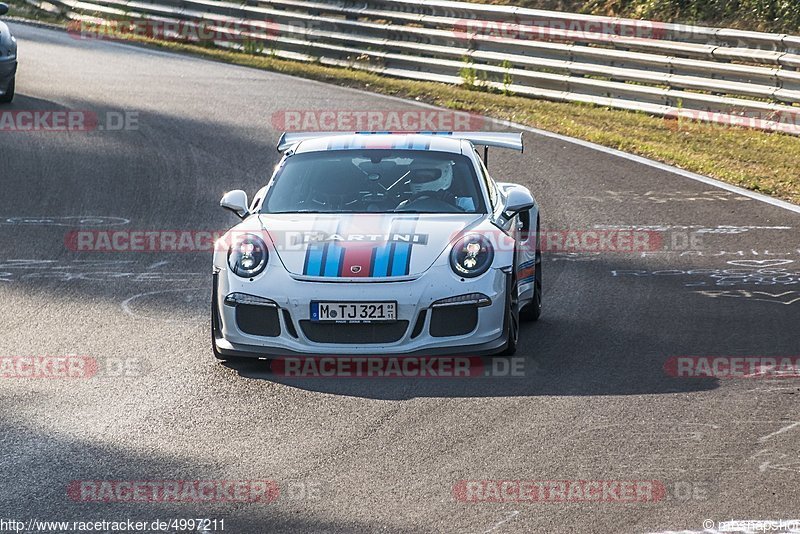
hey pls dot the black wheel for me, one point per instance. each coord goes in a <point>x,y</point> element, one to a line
<point>533,309</point>
<point>512,315</point>
<point>8,96</point>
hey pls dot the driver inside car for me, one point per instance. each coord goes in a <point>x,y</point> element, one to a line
<point>430,185</point>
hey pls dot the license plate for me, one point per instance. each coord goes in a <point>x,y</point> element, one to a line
<point>353,312</point>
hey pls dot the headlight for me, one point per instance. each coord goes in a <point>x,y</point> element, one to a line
<point>247,256</point>
<point>471,256</point>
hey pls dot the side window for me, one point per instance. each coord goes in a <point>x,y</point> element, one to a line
<point>490,187</point>
<point>256,204</point>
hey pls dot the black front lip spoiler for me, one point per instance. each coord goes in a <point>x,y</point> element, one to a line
<point>485,349</point>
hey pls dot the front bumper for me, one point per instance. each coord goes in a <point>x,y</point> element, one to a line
<point>414,298</point>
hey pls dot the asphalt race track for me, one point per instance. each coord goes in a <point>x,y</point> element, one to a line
<point>373,455</point>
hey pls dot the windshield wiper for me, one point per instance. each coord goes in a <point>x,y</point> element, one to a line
<point>292,212</point>
<point>418,211</point>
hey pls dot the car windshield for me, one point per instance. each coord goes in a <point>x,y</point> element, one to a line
<point>375,181</point>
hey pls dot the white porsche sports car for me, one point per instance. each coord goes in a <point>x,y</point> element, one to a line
<point>378,243</point>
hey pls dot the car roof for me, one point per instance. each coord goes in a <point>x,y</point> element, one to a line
<point>438,143</point>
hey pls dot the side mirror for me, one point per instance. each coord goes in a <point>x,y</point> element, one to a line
<point>3,9</point>
<point>236,201</point>
<point>518,199</point>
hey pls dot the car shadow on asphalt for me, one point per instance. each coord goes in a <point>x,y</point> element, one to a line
<point>597,336</point>
<point>76,477</point>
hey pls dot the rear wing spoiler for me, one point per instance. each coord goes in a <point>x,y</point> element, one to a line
<point>512,141</point>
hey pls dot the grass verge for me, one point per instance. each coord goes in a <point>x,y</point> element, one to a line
<point>759,161</point>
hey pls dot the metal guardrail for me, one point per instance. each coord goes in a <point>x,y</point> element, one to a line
<point>713,74</point>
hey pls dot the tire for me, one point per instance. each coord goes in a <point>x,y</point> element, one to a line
<point>8,96</point>
<point>533,310</point>
<point>512,316</point>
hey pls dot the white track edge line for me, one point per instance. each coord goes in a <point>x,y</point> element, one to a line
<point>657,165</point>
